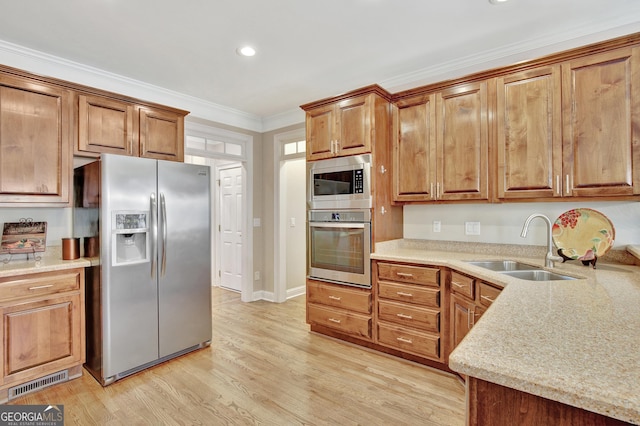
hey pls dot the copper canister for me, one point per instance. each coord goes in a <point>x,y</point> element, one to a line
<point>70,248</point>
<point>91,246</point>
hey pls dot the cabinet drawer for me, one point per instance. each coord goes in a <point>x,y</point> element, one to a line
<point>412,316</point>
<point>411,341</point>
<point>462,284</point>
<point>409,293</point>
<point>409,274</point>
<point>339,296</point>
<point>35,285</point>
<point>346,322</point>
<point>487,293</point>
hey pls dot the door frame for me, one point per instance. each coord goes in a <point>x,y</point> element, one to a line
<point>246,161</point>
<point>280,293</point>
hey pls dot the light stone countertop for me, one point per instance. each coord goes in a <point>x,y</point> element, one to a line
<point>573,341</point>
<point>50,260</point>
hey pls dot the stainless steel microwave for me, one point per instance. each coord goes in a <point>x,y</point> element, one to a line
<point>340,183</point>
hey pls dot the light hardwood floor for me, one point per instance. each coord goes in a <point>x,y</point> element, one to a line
<point>264,367</point>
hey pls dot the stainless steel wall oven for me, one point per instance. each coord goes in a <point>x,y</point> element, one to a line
<point>340,246</point>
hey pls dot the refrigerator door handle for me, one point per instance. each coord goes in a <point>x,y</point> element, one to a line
<point>163,206</point>
<point>154,233</point>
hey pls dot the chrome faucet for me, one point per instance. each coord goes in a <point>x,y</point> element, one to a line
<point>550,257</point>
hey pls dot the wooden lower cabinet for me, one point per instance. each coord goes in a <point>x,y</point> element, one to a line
<point>408,310</point>
<point>417,312</point>
<point>469,299</point>
<point>43,327</point>
<point>340,308</point>
<point>496,405</point>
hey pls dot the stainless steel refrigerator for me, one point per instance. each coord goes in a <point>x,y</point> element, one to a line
<point>148,297</point>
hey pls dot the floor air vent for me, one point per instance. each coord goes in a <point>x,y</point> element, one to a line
<point>41,383</point>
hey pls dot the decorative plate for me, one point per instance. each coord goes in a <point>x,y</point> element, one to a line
<point>583,234</point>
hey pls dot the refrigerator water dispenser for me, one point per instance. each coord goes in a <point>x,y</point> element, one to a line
<point>130,233</point>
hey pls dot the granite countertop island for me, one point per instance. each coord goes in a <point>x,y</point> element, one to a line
<point>572,341</point>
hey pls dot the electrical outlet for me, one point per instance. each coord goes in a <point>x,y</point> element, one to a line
<point>256,275</point>
<point>436,226</point>
<point>472,228</point>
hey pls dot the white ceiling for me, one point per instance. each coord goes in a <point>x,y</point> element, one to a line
<point>307,50</point>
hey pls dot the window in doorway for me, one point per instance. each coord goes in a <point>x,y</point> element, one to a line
<point>293,149</point>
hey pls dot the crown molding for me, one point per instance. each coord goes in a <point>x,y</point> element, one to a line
<point>41,63</point>
<point>38,62</point>
<point>512,53</point>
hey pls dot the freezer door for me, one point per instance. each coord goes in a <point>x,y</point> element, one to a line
<point>184,256</point>
<point>129,291</point>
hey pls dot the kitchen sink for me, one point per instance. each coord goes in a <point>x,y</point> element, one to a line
<point>520,270</point>
<point>504,265</point>
<point>537,275</point>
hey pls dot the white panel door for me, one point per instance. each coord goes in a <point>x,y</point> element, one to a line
<point>231,228</point>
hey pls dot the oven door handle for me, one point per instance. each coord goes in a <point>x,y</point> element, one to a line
<point>337,225</point>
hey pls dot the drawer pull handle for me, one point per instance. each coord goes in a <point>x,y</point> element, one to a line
<point>335,297</point>
<point>337,321</point>
<point>38,287</point>
<point>402,293</point>
<point>487,298</point>
<point>405,340</point>
<point>404,275</point>
<point>405,316</point>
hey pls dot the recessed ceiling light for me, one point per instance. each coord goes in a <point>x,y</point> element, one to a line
<point>497,1</point>
<point>246,51</point>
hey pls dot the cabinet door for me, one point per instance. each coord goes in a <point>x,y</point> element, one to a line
<point>354,120</point>
<point>601,113</point>
<point>35,144</point>
<point>529,134</point>
<point>106,125</point>
<point>41,337</point>
<point>320,123</point>
<point>462,143</point>
<point>161,134</point>
<point>462,312</point>
<point>414,148</point>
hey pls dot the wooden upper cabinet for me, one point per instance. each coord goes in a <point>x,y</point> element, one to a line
<point>462,143</point>
<point>601,127</point>
<point>319,129</point>
<point>106,125</point>
<point>35,143</point>
<point>441,145</point>
<point>341,128</point>
<point>355,117</point>
<point>414,148</point>
<point>529,134</point>
<point>161,134</point>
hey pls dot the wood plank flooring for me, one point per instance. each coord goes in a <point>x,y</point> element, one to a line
<point>264,367</point>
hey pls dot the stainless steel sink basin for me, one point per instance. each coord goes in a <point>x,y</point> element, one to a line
<point>537,275</point>
<point>504,265</point>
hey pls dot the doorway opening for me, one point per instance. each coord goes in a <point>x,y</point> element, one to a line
<point>290,227</point>
<point>229,154</point>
